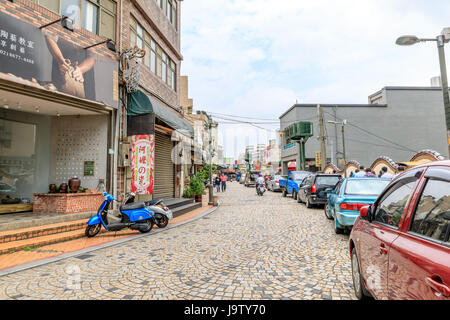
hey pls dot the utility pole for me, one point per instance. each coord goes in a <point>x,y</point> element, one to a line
<point>343,139</point>
<point>323,148</point>
<point>209,125</point>
<point>343,123</point>
<point>441,40</point>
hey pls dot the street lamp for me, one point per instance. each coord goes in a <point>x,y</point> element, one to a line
<point>441,40</point>
<point>209,126</point>
<point>343,123</point>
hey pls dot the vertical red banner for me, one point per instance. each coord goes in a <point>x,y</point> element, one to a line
<point>142,164</point>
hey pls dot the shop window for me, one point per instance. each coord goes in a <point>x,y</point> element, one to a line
<point>17,159</point>
<point>97,16</point>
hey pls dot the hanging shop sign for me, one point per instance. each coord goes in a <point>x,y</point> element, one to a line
<point>142,164</point>
<point>35,55</point>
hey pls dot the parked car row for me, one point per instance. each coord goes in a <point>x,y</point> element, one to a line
<point>399,244</point>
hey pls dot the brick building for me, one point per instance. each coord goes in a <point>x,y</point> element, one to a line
<point>154,27</point>
<point>65,103</point>
<point>59,90</point>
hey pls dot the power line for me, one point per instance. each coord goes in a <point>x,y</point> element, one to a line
<point>373,134</point>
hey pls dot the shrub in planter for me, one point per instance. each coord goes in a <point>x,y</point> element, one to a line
<point>187,192</point>
<point>197,188</point>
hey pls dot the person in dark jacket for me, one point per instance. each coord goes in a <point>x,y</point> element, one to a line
<point>217,183</point>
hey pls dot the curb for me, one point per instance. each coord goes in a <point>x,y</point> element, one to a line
<point>39,263</point>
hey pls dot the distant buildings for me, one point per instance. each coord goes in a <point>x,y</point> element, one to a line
<point>397,122</point>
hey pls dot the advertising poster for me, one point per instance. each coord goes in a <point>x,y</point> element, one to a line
<point>142,164</point>
<point>56,64</point>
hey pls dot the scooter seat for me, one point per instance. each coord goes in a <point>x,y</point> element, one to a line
<point>132,206</point>
<point>153,202</point>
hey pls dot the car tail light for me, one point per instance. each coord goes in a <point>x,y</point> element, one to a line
<point>314,190</point>
<point>352,206</point>
<point>276,181</point>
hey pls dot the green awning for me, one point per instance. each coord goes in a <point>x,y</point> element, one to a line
<point>139,103</point>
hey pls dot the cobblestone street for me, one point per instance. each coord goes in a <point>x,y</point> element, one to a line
<point>250,248</point>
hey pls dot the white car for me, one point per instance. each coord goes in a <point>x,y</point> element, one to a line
<point>273,184</point>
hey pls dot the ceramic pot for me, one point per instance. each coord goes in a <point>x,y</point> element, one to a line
<point>63,188</point>
<point>52,188</point>
<point>74,184</point>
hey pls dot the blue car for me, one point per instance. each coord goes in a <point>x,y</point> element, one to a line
<point>348,197</point>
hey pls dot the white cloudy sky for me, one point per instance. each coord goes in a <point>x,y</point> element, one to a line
<point>256,58</point>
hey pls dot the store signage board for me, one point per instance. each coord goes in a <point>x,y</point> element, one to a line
<point>89,168</point>
<point>31,54</point>
<point>142,164</point>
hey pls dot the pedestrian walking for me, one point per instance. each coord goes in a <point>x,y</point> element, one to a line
<point>370,174</point>
<point>217,183</point>
<point>360,173</point>
<point>386,174</point>
<point>223,179</point>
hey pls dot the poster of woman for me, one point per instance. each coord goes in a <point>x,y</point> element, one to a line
<point>72,68</point>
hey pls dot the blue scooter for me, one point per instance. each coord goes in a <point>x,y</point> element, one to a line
<point>134,216</point>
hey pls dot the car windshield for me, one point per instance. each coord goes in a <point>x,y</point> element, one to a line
<point>300,175</point>
<point>369,187</point>
<point>327,181</point>
<point>277,177</point>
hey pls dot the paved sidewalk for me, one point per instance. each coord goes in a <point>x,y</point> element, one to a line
<point>251,247</point>
<point>10,260</point>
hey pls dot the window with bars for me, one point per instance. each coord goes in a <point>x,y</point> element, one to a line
<point>97,16</point>
<point>169,7</point>
<point>155,58</point>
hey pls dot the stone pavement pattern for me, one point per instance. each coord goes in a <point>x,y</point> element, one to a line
<point>250,248</point>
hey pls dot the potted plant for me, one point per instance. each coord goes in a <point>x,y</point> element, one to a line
<point>197,188</point>
<point>187,192</point>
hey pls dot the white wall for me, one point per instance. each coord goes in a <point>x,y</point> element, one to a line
<point>76,139</point>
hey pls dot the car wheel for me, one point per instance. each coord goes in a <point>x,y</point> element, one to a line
<point>358,284</point>
<point>308,204</point>
<point>327,210</point>
<point>337,229</point>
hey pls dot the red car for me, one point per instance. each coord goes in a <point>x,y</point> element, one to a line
<point>399,246</point>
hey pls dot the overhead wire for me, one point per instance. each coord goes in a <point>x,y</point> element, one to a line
<point>373,134</point>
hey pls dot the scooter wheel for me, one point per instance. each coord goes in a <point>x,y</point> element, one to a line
<point>92,231</point>
<point>162,222</point>
<point>149,227</point>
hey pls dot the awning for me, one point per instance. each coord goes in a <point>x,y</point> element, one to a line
<point>139,103</point>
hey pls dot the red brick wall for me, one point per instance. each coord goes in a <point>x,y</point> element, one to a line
<point>67,203</point>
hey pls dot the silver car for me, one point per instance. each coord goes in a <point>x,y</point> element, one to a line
<point>273,184</point>
<point>242,179</point>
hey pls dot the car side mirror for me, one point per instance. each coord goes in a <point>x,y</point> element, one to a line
<point>366,213</point>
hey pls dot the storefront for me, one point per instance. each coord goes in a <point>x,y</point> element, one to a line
<point>53,126</point>
<point>172,136</point>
